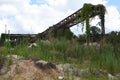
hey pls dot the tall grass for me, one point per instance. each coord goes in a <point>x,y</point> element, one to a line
<point>64,51</point>
<point>2,57</point>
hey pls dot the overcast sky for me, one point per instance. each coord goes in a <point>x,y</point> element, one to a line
<point>35,16</point>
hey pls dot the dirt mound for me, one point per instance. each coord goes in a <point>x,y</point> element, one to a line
<point>17,68</point>
<point>31,70</point>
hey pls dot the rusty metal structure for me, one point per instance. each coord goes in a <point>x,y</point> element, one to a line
<point>66,23</point>
<point>17,38</point>
<point>70,21</point>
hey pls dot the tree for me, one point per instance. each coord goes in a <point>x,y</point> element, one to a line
<point>81,38</point>
<point>114,39</point>
<point>95,33</point>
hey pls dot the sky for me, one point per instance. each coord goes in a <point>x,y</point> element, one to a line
<point>35,16</point>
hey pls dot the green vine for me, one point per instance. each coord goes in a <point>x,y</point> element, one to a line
<point>90,11</point>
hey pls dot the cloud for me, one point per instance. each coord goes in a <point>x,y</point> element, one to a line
<point>29,18</point>
<point>21,16</point>
<point>7,10</point>
<point>113,19</point>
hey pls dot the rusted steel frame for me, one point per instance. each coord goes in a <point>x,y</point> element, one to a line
<point>69,21</point>
<point>62,24</point>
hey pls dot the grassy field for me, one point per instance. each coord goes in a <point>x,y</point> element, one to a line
<point>68,51</point>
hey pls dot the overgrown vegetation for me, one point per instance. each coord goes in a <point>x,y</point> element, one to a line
<point>63,50</point>
<point>90,11</point>
<point>64,47</point>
